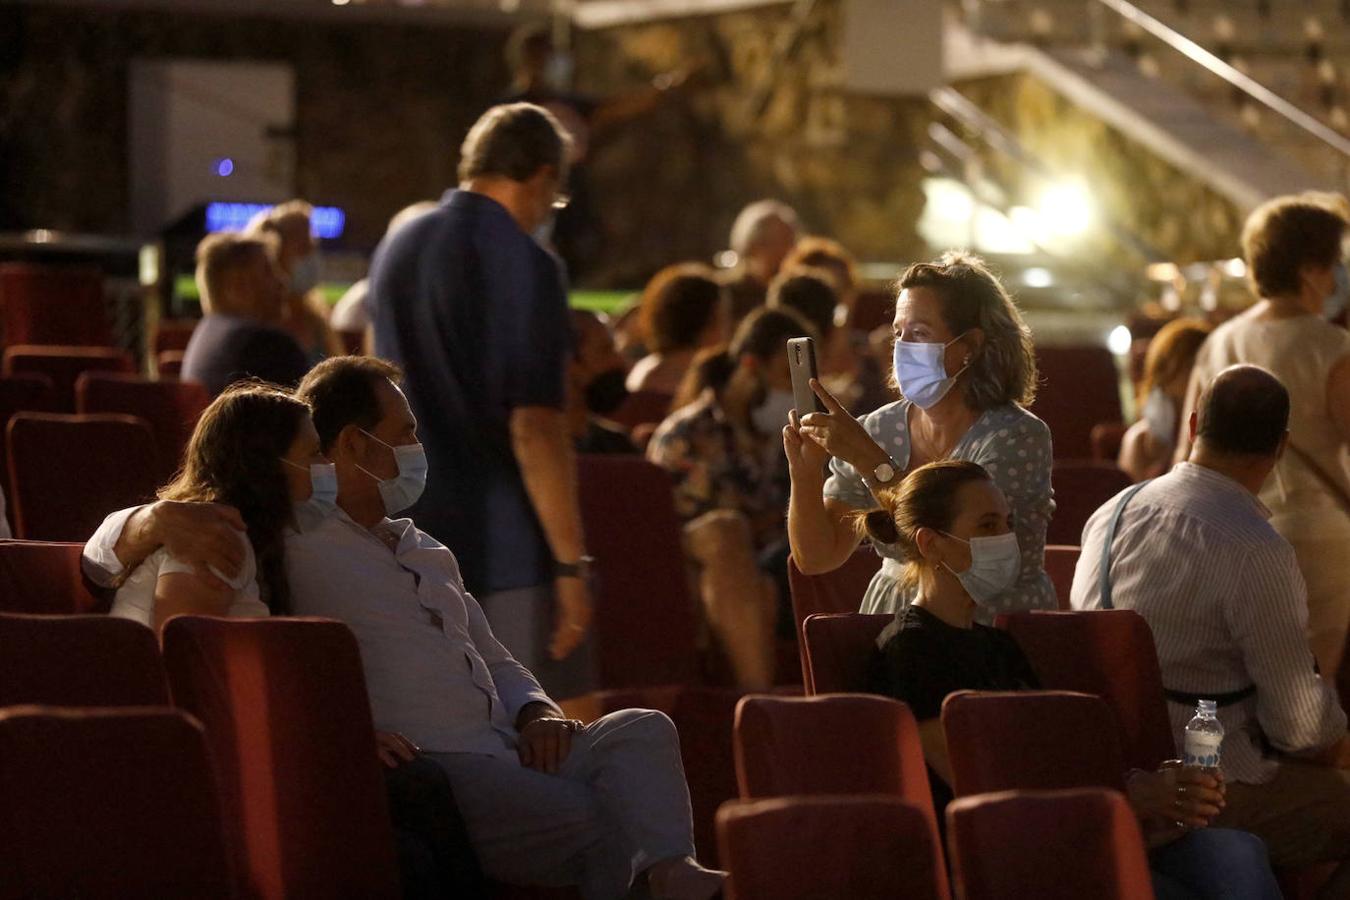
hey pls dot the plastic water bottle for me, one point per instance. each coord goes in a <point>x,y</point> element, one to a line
<point>1204,736</point>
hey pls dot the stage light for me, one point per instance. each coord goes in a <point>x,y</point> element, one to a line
<point>1065,208</point>
<point>1120,340</point>
<point>1235,268</point>
<point>224,167</point>
<point>1037,277</point>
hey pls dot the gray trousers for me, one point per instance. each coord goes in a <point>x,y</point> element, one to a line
<point>618,804</point>
<point>522,619</point>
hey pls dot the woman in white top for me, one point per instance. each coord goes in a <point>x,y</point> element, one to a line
<point>255,449</point>
<point>1294,262</point>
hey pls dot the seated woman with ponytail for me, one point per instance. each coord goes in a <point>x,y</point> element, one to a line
<point>954,530</point>
<point>721,446</point>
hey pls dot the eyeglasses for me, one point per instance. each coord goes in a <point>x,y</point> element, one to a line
<point>561,201</point>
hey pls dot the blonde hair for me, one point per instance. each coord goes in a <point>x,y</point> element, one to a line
<point>218,257</point>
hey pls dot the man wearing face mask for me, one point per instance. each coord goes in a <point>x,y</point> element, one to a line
<point>297,257</point>
<point>475,312</point>
<point>596,388</point>
<point>731,483</point>
<point>1293,248</point>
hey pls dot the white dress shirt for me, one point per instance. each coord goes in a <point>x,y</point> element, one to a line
<point>135,598</point>
<point>434,670</point>
<point>1195,555</point>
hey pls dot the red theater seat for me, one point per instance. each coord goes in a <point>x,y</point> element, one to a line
<point>79,661</point>
<point>833,744</point>
<point>1030,740</point>
<point>108,804</point>
<point>45,577</point>
<point>63,365</point>
<point>839,649</point>
<point>69,472</point>
<point>840,591</point>
<point>288,723</point>
<point>53,305</point>
<point>805,848</point>
<point>169,364</point>
<point>21,393</point>
<point>645,619</point>
<point>172,409</point>
<point>1080,388</point>
<point>173,334</point>
<point>1080,489</point>
<point>1109,653</point>
<point>1051,845</point>
<point>1060,562</point>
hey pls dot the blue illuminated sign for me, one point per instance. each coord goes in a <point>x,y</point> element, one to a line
<point>327,222</point>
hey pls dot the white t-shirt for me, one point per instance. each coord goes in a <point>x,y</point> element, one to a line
<point>135,599</point>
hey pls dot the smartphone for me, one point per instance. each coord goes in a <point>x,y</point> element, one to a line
<point>802,363</point>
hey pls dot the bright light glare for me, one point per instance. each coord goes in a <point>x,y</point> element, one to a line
<point>951,201</point>
<point>995,233</point>
<point>1037,277</point>
<point>1066,208</point>
<point>341,2</point>
<point>1235,268</point>
<point>1120,340</point>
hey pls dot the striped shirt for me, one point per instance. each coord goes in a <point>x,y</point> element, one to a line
<point>1194,555</point>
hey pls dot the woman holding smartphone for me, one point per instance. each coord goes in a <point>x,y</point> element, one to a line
<point>965,367</point>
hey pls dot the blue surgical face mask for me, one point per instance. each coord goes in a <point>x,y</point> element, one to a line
<point>921,371</point>
<point>405,488</point>
<point>1160,414</point>
<point>323,486</point>
<point>1339,298</point>
<point>994,565</point>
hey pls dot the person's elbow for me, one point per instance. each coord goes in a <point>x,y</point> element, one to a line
<point>535,425</point>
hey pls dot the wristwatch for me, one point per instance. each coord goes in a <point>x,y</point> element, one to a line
<point>579,569</point>
<point>884,473</point>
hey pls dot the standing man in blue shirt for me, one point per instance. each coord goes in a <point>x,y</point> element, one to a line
<point>475,312</point>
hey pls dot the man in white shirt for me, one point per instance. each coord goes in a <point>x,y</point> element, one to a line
<point>547,801</point>
<point>1193,554</point>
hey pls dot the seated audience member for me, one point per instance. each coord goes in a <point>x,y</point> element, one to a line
<point>1146,451</point>
<point>1193,553</point>
<point>761,237</point>
<point>238,338</point>
<point>305,314</point>
<point>596,388</point>
<point>350,313</point>
<point>546,800</point>
<point>811,294</point>
<point>731,484</point>
<point>815,252</point>
<point>955,528</point>
<point>682,311</point>
<point>255,453</point>
<point>965,365</point>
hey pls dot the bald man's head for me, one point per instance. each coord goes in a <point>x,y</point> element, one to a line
<point>1243,412</point>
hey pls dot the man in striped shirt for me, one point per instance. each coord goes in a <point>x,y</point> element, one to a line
<point>1193,554</point>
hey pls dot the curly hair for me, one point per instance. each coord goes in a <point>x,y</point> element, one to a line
<point>234,457</point>
<point>1004,369</point>
<point>677,306</point>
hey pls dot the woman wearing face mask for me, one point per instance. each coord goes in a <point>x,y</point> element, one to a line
<point>254,449</point>
<point>1147,448</point>
<point>1295,264</point>
<point>955,533</point>
<point>306,313</point>
<point>731,484</point>
<point>965,367</point>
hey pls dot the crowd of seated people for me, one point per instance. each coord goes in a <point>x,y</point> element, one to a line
<point>426,496</point>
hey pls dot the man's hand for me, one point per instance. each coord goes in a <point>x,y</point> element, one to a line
<point>1179,794</point>
<point>545,742</point>
<point>204,535</point>
<point>391,747</point>
<point>571,617</point>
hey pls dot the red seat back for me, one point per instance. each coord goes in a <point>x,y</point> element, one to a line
<point>1051,845</point>
<point>173,334</point>
<point>104,804</point>
<point>169,363</point>
<point>1081,487</point>
<point>1060,562</point>
<point>839,649</point>
<point>1080,388</point>
<point>45,577</point>
<point>642,408</point>
<point>288,723</point>
<point>803,848</point>
<point>69,472</point>
<point>1030,740</point>
<point>645,621</point>
<point>171,407</point>
<point>53,305</point>
<point>1107,439</point>
<point>1109,653</point>
<point>840,591</point>
<point>63,365</point>
<point>21,393</point>
<point>79,661</point>
<point>796,745</point>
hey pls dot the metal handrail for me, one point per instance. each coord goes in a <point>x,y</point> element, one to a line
<point>1228,73</point>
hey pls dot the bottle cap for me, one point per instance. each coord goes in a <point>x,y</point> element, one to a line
<point>1208,707</point>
